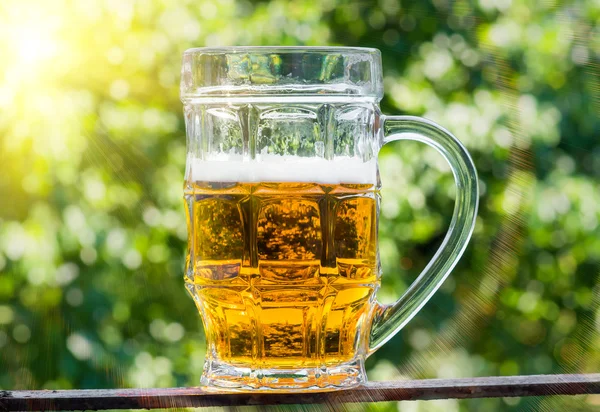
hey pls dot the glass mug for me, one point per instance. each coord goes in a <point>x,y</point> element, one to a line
<point>282,202</point>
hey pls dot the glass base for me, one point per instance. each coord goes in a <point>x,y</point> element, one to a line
<point>220,375</point>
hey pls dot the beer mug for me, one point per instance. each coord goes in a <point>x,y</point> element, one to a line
<point>282,202</point>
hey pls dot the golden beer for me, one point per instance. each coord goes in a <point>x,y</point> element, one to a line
<point>283,274</point>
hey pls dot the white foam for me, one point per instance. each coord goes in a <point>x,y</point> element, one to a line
<point>273,168</point>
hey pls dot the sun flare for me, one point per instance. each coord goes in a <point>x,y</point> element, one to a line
<point>31,44</point>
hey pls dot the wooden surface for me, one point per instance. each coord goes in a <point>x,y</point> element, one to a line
<point>504,386</point>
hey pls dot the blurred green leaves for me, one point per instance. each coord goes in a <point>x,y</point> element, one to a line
<point>92,148</point>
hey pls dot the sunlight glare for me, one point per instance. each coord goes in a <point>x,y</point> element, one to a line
<point>32,44</point>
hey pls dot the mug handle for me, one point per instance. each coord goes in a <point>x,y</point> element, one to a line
<point>387,320</point>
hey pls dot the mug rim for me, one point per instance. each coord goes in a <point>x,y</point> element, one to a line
<point>282,49</point>
<point>290,71</point>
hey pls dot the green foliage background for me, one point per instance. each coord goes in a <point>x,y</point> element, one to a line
<point>92,152</point>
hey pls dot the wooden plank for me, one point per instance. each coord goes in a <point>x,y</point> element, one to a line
<point>486,387</point>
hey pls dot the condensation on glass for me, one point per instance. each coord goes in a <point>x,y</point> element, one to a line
<point>282,199</point>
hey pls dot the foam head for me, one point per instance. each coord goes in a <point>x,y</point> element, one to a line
<point>283,169</point>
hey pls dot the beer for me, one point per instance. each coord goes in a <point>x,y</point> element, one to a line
<point>281,189</point>
<point>283,273</point>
